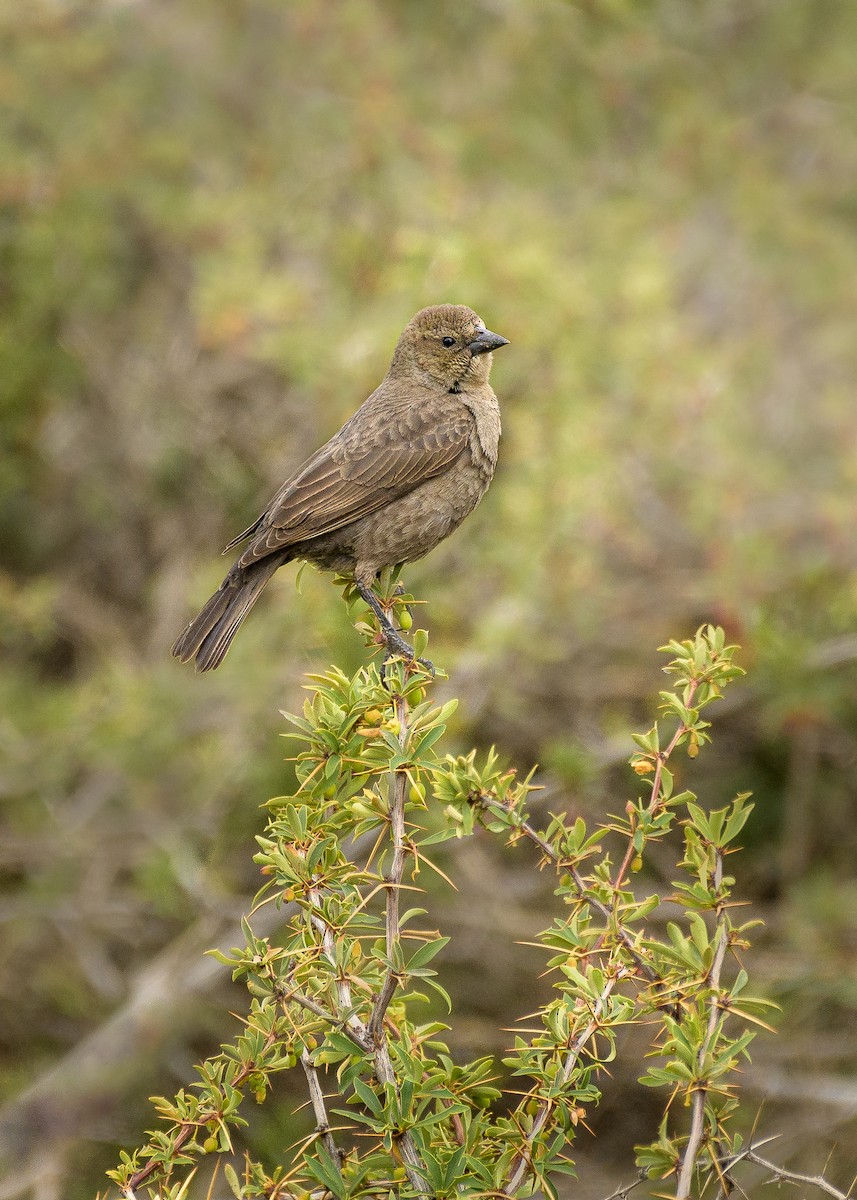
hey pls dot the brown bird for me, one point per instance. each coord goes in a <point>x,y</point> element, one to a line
<point>398,477</point>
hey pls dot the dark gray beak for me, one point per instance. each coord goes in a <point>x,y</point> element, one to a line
<point>486,342</point>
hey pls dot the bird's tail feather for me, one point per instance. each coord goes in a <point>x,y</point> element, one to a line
<point>210,634</point>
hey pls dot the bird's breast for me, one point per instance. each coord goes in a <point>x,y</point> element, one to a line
<point>485,441</point>
<point>415,523</point>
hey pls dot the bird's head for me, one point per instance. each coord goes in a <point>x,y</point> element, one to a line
<point>447,345</point>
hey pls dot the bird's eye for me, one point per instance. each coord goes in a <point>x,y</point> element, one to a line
<point>448,341</point>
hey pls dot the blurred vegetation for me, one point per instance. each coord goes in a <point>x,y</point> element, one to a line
<point>215,216</point>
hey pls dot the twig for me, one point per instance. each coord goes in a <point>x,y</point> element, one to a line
<point>188,1128</point>
<point>625,1189</point>
<point>383,1063</point>
<point>725,1178</point>
<point>350,1021</point>
<point>697,1123</point>
<point>781,1175</point>
<point>522,1162</point>
<point>320,1011</point>
<point>372,1039</point>
<point>553,856</point>
<point>393,878</point>
<point>316,1096</point>
<point>661,761</point>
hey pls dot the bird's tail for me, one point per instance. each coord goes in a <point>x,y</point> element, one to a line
<point>209,635</point>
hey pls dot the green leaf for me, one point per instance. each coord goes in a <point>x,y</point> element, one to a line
<point>739,816</point>
<point>233,1181</point>
<point>324,1169</point>
<point>666,783</point>
<point>444,995</point>
<point>424,741</point>
<point>699,933</point>
<point>426,953</point>
<point>367,1096</point>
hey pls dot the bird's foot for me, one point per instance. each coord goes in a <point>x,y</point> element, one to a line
<point>393,641</point>
<point>397,647</point>
<point>396,644</point>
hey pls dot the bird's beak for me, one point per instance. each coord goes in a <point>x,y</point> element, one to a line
<point>486,342</point>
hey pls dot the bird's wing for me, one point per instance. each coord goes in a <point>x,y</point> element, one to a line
<point>365,466</point>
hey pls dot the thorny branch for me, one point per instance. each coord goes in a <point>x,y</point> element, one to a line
<point>697,1123</point>
<point>553,856</point>
<point>662,759</point>
<point>189,1128</point>
<point>372,1037</point>
<point>393,878</point>
<point>729,1162</point>
<point>377,1045</point>
<point>316,1096</point>
<point>383,1063</point>
<point>328,944</point>
<point>624,1190</point>
<point>781,1175</point>
<point>522,1164</point>
<point>320,1011</point>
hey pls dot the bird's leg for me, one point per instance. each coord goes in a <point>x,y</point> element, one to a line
<point>393,640</point>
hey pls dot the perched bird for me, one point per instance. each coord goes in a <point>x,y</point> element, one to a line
<point>398,477</point>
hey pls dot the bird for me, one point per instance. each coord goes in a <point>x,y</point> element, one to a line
<point>399,476</point>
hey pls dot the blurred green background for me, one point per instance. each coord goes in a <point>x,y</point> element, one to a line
<point>215,217</point>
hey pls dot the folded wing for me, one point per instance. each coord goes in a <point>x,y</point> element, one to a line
<point>364,467</point>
